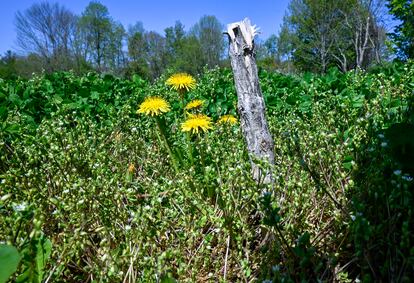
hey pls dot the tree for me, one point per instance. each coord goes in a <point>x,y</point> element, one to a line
<point>266,54</point>
<point>362,18</point>
<point>312,23</point>
<point>114,53</point>
<point>174,41</point>
<point>135,42</point>
<point>271,45</point>
<point>8,68</point>
<point>136,51</point>
<point>321,34</point>
<point>155,53</point>
<point>284,46</point>
<point>403,36</point>
<point>209,32</point>
<point>190,57</point>
<point>183,51</point>
<point>47,30</point>
<point>99,38</point>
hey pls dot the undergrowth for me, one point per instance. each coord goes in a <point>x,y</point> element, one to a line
<point>89,192</point>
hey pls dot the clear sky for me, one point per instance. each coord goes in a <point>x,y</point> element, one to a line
<point>156,15</point>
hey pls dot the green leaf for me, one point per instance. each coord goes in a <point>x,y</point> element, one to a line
<point>292,99</point>
<point>9,260</point>
<point>167,279</point>
<point>34,260</point>
<point>57,99</point>
<point>44,247</point>
<point>358,101</point>
<point>95,95</point>
<point>27,93</point>
<point>347,163</point>
<point>12,129</point>
<point>15,99</point>
<point>3,113</point>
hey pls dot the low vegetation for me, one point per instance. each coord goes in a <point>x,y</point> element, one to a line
<point>97,187</point>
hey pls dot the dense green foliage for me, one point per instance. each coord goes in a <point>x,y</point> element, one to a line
<point>315,36</point>
<point>53,38</point>
<point>403,36</point>
<point>88,191</point>
<point>319,34</point>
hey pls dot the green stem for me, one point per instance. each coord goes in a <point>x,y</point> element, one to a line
<point>201,152</point>
<point>167,145</point>
<point>190,149</point>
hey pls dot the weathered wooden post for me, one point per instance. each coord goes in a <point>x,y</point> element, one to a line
<point>250,103</point>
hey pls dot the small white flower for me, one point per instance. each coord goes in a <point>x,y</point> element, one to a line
<point>384,144</point>
<point>407,178</point>
<point>381,136</point>
<point>20,207</point>
<point>275,268</point>
<point>397,172</point>
<point>266,194</point>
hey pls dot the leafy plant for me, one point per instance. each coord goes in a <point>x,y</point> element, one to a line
<point>83,173</point>
<point>9,260</point>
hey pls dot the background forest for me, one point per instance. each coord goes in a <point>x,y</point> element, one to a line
<point>314,36</point>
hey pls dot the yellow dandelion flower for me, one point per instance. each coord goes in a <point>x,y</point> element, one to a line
<point>229,119</point>
<point>153,105</point>
<point>195,123</point>
<point>131,168</point>
<point>194,104</point>
<point>181,81</point>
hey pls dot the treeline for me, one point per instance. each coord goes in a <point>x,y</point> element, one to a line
<point>53,38</point>
<point>315,35</point>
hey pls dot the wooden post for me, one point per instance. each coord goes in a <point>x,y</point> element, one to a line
<point>250,105</point>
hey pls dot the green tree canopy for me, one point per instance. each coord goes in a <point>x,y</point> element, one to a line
<point>403,36</point>
<point>100,37</point>
<point>318,34</point>
<point>209,32</point>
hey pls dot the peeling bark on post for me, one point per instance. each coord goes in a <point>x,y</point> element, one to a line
<point>251,106</point>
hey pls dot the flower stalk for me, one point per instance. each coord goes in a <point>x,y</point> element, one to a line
<point>173,157</point>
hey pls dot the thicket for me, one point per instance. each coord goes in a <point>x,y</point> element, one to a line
<point>88,192</point>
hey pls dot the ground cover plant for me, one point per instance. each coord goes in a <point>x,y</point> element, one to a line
<point>110,180</point>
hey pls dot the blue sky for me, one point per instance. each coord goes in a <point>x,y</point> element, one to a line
<point>156,15</point>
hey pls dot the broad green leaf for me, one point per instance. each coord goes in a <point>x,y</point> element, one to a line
<point>347,163</point>
<point>9,260</point>
<point>44,247</point>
